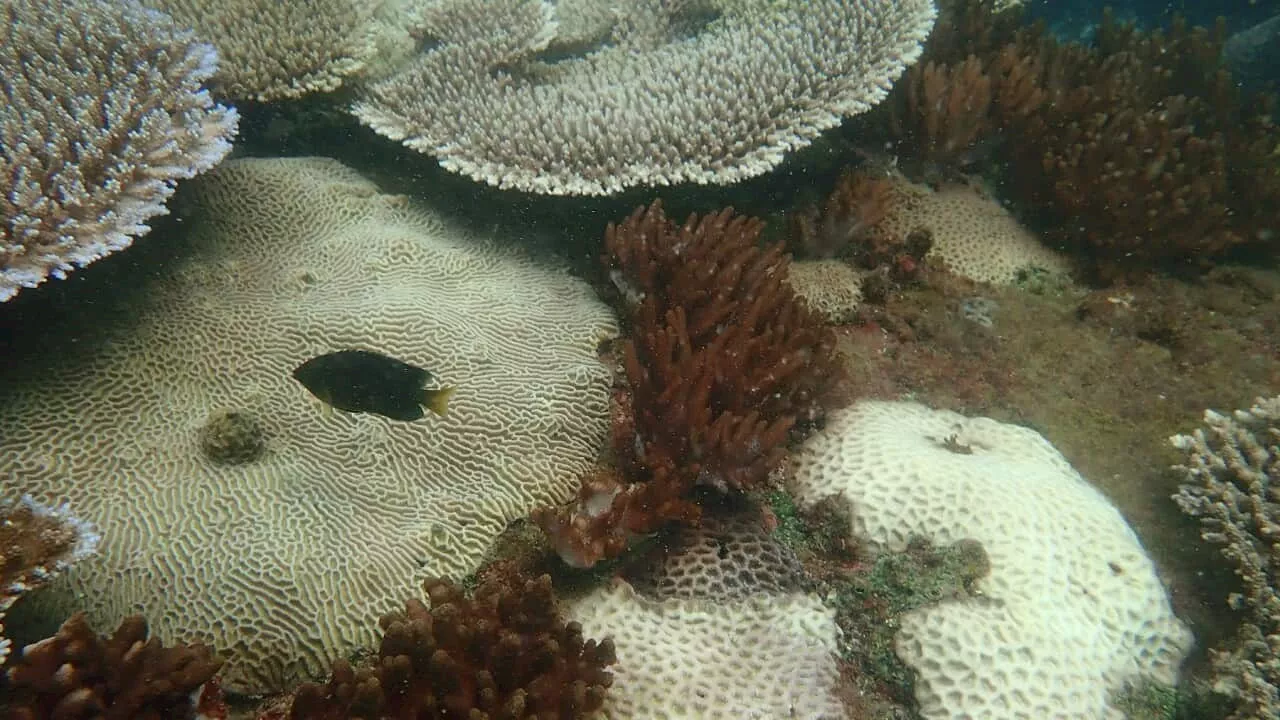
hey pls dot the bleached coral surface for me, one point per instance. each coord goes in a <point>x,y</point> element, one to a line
<point>1072,608</point>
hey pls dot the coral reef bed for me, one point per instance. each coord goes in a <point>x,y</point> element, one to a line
<point>1106,375</point>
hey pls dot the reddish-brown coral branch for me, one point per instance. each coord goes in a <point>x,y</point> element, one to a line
<point>1139,148</point>
<point>126,676</point>
<point>948,110</point>
<point>724,365</point>
<point>503,654</point>
<point>843,224</point>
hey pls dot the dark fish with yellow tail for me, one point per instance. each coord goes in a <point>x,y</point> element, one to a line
<point>360,381</point>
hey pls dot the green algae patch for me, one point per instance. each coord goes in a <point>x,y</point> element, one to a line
<point>1153,701</point>
<point>870,600</point>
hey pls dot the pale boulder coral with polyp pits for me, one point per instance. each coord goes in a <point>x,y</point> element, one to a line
<point>973,235</point>
<point>756,658</point>
<point>1071,610</point>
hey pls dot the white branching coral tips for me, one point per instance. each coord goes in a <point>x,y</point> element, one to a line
<point>678,95</point>
<point>272,49</point>
<point>103,114</point>
<point>1233,488</point>
<point>36,543</point>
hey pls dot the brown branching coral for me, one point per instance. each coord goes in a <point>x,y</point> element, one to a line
<point>503,654</point>
<point>1131,151</point>
<point>948,110</point>
<point>1145,151</point>
<point>36,543</point>
<point>1139,148</point>
<point>845,220</point>
<point>724,363</point>
<point>126,676</point>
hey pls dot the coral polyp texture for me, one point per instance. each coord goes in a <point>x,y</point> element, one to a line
<point>726,557</point>
<point>760,656</point>
<point>973,236</point>
<point>1072,609</point>
<point>669,99</point>
<point>283,554</point>
<point>726,365</point>
<point>716,627</point>
<point>1233,487</point>
<point>37,543</point>
<point>502,654</point>
<point>123,676</point>
<point>830,288</point>
<point>104,112</point>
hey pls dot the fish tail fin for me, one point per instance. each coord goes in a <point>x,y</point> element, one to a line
<point>437,399</point>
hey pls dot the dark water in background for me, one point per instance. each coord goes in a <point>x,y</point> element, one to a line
<point>1076,18</point>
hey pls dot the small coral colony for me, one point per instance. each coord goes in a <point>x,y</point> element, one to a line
<point>659,487</point>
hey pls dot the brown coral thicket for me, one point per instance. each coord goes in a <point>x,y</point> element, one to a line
<point>125,676</point>
<point>501,654</point>
<point>844,223</point>
<point>1138,149</point>
<point>947,110</point>
<point>724,363</point>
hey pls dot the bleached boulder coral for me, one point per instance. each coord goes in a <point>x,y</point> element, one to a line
<point>1072,609</point>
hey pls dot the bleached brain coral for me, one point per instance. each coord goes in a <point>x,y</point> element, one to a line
<point>1072,608</point>
<point>284,559</point>
<point>716,627</point>
<point>722,559</point>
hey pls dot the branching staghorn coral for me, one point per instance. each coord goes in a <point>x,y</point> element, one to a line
<point>125,676</point>
<point>654,107</point>
<point>36,543</point>
<point>949,108</point>
<point>103,113</point>
<point>501,654</point>
<point>725,363</point>
<point>1233,488</point>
